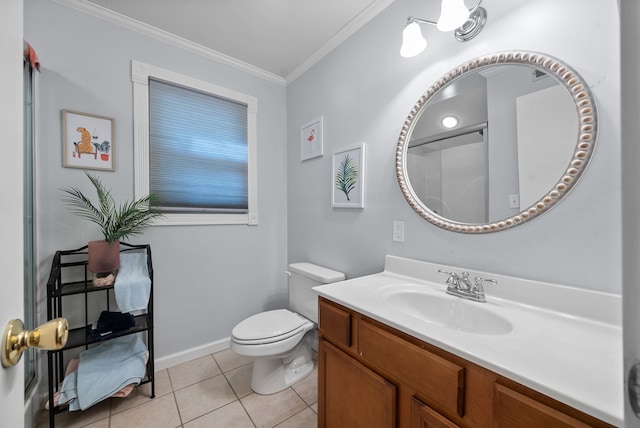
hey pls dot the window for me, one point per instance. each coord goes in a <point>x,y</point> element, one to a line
<point>195,146</point>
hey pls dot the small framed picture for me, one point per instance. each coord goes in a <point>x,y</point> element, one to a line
<point>311,139</point>
<point>348,177</point>
<point>87,141</point>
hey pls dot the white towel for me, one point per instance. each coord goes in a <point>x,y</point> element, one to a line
<point>108,368</point>
<point>133,285</point>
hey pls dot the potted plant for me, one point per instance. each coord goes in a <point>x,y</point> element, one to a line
<point>103,148</point>
<point>116,222</point>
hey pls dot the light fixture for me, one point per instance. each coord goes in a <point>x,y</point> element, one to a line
<point>454,15</point>
<point>449,121</point>
<point>412,40</point>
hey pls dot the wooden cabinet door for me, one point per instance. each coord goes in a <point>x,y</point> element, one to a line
<point>514,410</point>
<point>423,416</point>
<point>351,395</point>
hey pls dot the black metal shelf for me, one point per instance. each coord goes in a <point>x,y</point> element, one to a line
<point>79,287</point>
<point>70,276</point>
<point>80,336</point>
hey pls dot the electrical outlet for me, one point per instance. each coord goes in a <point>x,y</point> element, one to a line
<point>514,201</point>
<point>398,231</point>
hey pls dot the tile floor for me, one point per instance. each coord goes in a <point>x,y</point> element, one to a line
<point>212,391</point>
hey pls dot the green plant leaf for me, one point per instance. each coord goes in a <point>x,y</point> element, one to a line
<point>116,221</point>
<point>347,175</point>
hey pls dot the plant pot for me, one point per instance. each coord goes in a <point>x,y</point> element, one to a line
<point>104,157</point>
<point>103,257</point>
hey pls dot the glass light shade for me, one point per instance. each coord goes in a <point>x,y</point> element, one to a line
<point>453,15</point>
<point>412,41</point>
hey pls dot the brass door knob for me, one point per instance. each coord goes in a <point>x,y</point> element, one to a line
<point>51,335</point>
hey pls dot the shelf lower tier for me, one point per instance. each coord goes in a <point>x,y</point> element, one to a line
<point>80,336</point>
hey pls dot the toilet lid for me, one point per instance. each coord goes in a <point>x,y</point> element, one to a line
<point>267,325</point>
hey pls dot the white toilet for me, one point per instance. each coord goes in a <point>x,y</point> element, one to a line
<point>280,340</point>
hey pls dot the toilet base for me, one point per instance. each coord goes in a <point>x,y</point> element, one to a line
<point>271,375</point>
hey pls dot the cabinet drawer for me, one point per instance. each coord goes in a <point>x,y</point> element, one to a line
<point>437,379</point>
<point>334,323</point>
<point>514,410</point>
<point>422,416</point>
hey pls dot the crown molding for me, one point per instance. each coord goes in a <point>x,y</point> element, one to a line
<point>169,38</point>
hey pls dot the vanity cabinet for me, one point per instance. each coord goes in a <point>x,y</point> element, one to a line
<point>372,375</point>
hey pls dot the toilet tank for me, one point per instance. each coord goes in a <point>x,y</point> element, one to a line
<point>302,278</point>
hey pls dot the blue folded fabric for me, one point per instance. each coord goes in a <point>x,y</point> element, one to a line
<point>107,368</point>
<point>114,321</point>
<point>133,285</point>
<point>108,323</point>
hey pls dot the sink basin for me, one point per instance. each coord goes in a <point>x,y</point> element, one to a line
<point>445,311</point>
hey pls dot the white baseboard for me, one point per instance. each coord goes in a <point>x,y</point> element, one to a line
<point>191,354</point>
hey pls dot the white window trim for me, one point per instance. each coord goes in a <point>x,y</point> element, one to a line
<point>140,74</point>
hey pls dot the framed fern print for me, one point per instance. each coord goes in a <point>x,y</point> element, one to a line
<point>348,177</point>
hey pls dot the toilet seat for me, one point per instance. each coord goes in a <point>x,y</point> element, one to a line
<point>269,327</point>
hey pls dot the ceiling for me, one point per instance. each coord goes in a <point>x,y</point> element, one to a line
<point>281,37</point>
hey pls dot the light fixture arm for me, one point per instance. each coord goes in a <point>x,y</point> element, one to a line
<point>419,20</point>
<point>474,8</point>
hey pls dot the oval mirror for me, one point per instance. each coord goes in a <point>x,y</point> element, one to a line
<point>496,142</point>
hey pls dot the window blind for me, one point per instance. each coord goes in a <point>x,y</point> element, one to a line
<point>198,152</point>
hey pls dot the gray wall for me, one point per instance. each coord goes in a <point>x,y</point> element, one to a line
<point>365,90</point>
<point>207,278</point>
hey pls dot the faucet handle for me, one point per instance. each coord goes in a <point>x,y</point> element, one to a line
<point>454,279</point>
<point>479,282</point>
<point>447,272</point>
<point>478,286</point>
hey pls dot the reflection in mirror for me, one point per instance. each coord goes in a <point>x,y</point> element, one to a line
<point>522,128</point>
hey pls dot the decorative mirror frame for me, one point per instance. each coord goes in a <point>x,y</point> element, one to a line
<point>587,121</point>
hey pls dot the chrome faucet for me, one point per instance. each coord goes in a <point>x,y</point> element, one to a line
<point>461,286</point>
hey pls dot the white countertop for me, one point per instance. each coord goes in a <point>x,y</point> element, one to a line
<point>565,342</point>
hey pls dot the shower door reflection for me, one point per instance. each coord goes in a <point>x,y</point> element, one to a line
<point>450,175</point>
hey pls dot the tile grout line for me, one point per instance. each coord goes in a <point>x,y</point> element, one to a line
<point>234,391</point>
<point>175,399</point>
<point>238,398</point>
